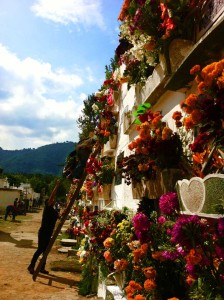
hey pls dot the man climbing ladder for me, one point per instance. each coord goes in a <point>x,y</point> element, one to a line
<point>49,219</point>
<point>70,200</point>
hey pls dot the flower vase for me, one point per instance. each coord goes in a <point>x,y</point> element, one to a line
<point>137,189</point>
<point>116,95</point>
<point>179,49</point>
<point>169,178</point>
<point>153,188</point>
<point>120,279</point>
<point>106,192</point>
<point>113,141</point>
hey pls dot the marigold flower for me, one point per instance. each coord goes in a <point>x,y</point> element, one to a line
<point>124,9</point>
<point>158,255</point>
<point>108,257</point>
<point>108,242</point>
<point>177,115</point>
<point>150,273</point>
<point>174,298</point>
<point>149,285</point>
<point>196,116</point>
<point>202,87</point>
<point>140,297</point>
<point>120,264</point>
<point>188,123</point>
<point>195,69</point>
<point>190,280</point>
<point>191,101</point>
<point>133,287</point>
<point>166,133</point>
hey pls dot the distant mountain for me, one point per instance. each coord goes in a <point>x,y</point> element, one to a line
<point>47,159</point>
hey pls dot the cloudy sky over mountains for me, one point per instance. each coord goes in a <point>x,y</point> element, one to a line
<point>53,55</point>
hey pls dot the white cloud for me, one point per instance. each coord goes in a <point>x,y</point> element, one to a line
<point>85,12</point>
<point>38,105</point>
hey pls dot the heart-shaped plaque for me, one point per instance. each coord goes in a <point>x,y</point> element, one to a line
<point>192,194</point>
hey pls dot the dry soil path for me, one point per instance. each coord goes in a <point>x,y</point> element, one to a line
<point>18,241</point>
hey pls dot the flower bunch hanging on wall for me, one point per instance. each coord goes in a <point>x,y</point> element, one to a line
<point>203,113</point>
<point>156,142</point>
<point>148,27</point>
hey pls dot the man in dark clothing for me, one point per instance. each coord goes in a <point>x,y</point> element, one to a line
<point>49,219</point>
<point>11,210</point>
<point>77,159</point>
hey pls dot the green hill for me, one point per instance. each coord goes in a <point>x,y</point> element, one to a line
<point>47,159</point>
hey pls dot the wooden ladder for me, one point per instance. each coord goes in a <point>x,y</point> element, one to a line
<point>71,198</point>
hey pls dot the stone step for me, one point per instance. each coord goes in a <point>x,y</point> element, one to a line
<point>68,242</point>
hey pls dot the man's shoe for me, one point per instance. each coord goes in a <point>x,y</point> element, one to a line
<point>44,272</point>
<point>31,269</point>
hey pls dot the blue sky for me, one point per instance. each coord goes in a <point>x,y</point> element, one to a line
<point>53,55</point>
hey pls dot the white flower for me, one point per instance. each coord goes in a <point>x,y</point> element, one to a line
<point>95,107</point>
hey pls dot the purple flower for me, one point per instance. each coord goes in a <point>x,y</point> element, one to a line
<point>161,220</point>
<point>221,227</point>
<point>141,222</point>
<point>141,225</point>
<point>170,255</point>
<point>191,269</point>
<point>188,231</point>
<point>168,203</point>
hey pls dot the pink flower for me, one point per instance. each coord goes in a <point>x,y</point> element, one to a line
<point>168,203</point>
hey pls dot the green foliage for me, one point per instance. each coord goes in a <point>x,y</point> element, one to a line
<point>88,284</point>
<point>107,171</point>
<point>47,159</point>
<point>142,108</point>
<point>87,121</point>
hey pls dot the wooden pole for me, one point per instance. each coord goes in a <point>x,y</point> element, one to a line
<point>71,199</point>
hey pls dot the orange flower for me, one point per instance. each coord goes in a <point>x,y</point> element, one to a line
<point>194,257</point>
<point>195,69</point>
<point>150,273</point>
<point>166,133</point>
<point>140,297</point>
<point>124,9</point>
<point>144,248</point>
<point>108,257</point>
<point>106,133</point>
<point>177,115</point>
<point>157,255</point>
<point>156,121</point>
<point>132,288</point>
<point>108,242</point>
<point>174,298</point>
<point>196,116</point>
<point>220,81</point>
<point>191,100</point>
<point>188,123</point>
<point>143,167</point>
<point>202,87</point>
<point>150,45</point>
<point>120,264</point>
<point>149,285</point>
<point>190,280</point>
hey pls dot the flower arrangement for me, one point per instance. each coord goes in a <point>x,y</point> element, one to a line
<point>156,148</point>
<point>204,114</point>
<point>107,171</point>
<point>150,26</point>
<point>151,249</point>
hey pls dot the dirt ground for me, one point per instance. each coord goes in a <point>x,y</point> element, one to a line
<point>18,242</point>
